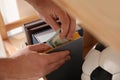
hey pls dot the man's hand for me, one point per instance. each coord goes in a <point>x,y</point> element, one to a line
<point>50,12</point>
<point>30,63</point>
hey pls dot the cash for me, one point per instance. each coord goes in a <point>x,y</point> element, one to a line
<point>56,40</point>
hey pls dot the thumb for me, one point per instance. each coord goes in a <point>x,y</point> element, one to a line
<point>39,47</point>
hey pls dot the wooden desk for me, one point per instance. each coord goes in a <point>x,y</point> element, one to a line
<point>100,17</point>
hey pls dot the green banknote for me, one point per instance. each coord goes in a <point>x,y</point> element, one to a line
<point>56,40</point>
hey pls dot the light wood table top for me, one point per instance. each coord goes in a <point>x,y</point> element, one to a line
<point>100,17</point>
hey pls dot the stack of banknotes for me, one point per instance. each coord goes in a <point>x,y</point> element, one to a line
<point>56,41</point>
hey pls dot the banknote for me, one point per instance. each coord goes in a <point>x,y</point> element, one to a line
<point>56,40</point>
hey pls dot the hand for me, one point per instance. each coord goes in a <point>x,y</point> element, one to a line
<point>50,11</point>
<point>30,63</point>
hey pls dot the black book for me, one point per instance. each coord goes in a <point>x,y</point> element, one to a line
<point>72,69</point>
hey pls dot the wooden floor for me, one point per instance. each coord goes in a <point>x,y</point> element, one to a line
<point>17,41</point>
<point>2,51</point>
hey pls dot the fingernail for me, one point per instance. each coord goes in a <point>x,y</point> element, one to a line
<point>68,58</point>
<point>67,51</point>
<point>61,36</point>
<point>69,38</point>
<point>47,46</point>
<point>72,36</point>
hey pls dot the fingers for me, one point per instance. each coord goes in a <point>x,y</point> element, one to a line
<point>72,28</point>
<point>51,21</point>
<point>51,62</point>
<point>57,60</point>
<point>57,64</point>
<point>57,56</point>
<point>39,47</point>
<point>68,26</point>
<point>65,24</point>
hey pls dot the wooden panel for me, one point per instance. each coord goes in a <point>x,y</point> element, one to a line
<point>2,28</point>
<point>21,22</point>
<point>9,47</point>
<point>2,50</point>
<point>100,17</point>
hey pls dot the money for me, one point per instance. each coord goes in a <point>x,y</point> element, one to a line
<point>56,40</point>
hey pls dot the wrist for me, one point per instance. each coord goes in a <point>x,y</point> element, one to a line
<point>5,67</point>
